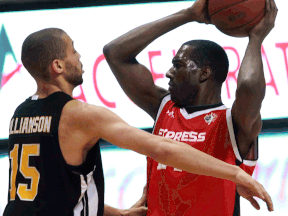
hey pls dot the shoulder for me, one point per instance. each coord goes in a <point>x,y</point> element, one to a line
<point>79,115</point>
<point>82,111</point>
<point>84,116</point>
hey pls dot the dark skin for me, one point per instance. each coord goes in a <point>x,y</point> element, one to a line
<point>190,85</point>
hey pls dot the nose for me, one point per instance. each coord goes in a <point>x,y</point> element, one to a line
<point>169,74</point>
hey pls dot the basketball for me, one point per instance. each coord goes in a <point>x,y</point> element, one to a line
<point>236,17</point>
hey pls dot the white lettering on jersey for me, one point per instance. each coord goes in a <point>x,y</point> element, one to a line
<point>178,136</point>
<point>163,167</point>
<point>38,124</point>
<point>201,137</point>
<point>186,136</point>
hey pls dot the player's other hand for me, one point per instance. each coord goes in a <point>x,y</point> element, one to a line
<point>143,200</point>
<point>249,188</point>
<point>139,211</point>
<point>199,12</point>
<point>262,29</point>
<point>139,208</point>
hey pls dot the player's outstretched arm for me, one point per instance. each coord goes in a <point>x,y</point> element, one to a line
<point>251,82</point>
<point>134,78</point>
<point>91,121</point>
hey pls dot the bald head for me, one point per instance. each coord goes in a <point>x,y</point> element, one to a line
<point>40,49</point>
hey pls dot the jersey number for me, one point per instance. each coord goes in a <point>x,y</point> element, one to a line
<point>28,172</point>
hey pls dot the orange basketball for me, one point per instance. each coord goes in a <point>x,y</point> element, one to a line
<point>236,17</point>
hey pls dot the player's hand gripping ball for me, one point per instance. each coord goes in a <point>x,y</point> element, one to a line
<point>236,17</point>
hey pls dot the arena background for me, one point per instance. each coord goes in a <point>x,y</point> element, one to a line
<point>92,24</point>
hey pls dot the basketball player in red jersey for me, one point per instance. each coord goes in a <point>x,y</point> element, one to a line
<point>191,110</point>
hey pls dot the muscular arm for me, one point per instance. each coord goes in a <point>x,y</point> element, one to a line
<point>251,84</point>
<point>135,79</point>
<point>249,95</point>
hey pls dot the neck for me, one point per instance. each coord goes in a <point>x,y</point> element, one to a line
<point>205,96</point>
<point>46,89</point>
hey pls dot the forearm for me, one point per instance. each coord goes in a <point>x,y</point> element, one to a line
<point>130,44</point>
<point>187,158</point>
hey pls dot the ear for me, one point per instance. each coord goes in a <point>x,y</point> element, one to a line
<point>58,66</point>
<point>206,72</point>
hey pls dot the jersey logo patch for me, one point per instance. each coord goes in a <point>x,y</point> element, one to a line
<point>171,114</point>
<point>210,118</point>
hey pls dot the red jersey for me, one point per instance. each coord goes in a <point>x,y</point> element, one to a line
<point>175,192</point>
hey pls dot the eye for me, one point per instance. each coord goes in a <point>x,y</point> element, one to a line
<point>177,65</point>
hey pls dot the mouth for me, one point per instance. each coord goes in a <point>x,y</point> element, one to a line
<point>171,84</point>
<point>171,88</point>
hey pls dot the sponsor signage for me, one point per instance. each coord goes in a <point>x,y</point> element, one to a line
<point>91,28</point>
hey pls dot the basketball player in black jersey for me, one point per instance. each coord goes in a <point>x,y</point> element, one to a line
<point>55,162</point>
<point>197,73</point>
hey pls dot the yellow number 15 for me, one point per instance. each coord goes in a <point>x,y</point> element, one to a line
<point>28,172</point>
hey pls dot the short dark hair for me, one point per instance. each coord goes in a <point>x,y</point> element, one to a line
<point>40,49</point>
<point>209,53</point>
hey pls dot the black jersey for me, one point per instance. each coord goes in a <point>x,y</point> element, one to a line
<point>40,181</point>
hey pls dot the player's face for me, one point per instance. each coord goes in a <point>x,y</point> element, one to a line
<point>183,75</point>
<point>73,65</point>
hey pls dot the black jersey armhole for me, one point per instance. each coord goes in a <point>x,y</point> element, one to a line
<point>236,211</point>
<point>158,107</point>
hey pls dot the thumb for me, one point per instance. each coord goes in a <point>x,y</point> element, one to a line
<point>142,210</point>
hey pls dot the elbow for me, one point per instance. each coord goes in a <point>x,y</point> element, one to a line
<point>252,87</point>
<point>113,53</point>
<point>108,51</point>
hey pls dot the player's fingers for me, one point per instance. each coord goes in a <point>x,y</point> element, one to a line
<point>268,201</point>
<point>143,210</point>
<point>145,190</point>
<point>275,9</point>
<point>253,202</point>
<point>273,4</point>
<point>268,6</point>
<point>258,190</point>
<point>265,197</point>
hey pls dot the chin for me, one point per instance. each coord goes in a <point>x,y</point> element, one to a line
<point>77,82</point>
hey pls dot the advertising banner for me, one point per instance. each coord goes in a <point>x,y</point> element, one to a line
<point>91,28</point>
